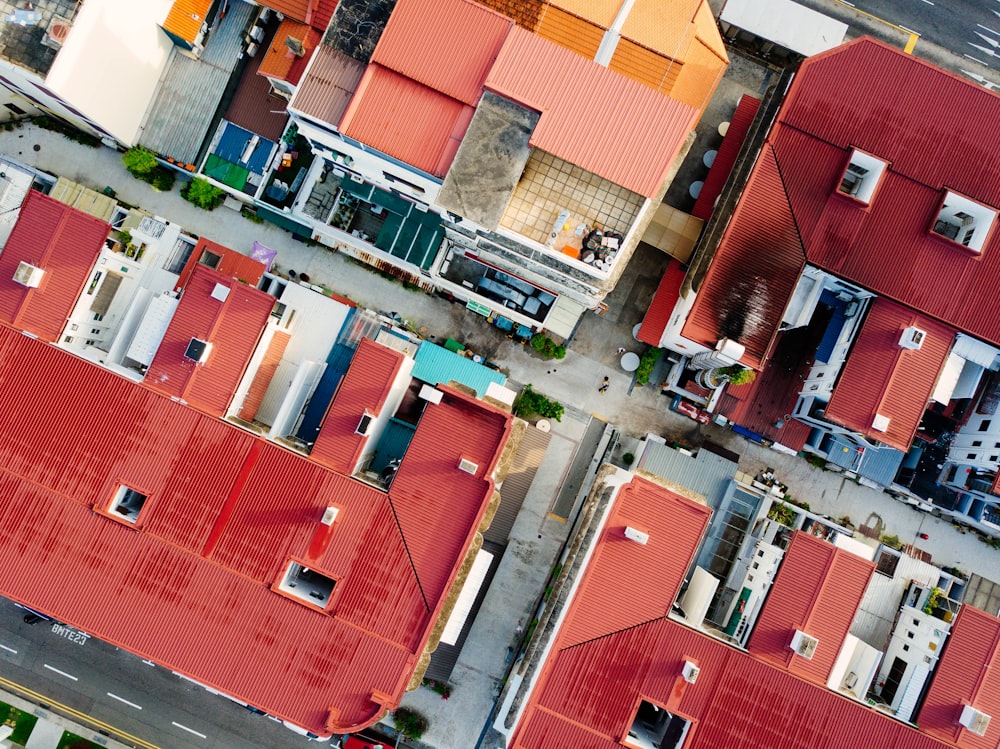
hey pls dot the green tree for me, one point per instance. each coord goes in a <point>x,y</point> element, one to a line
<point>409,722</point>
<point>140,161</point>
<point>203,194</point>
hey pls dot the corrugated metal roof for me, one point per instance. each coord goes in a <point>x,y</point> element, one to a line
<point>817,590</point>
<point>437,365</point>
<point>226,511</point>
<point>232,328</point>
<point>466,40</point>
<point>264,374</point>
<point>61,241</point>
<point>658,315</point>
<point>406,120</point>
<point>754,271</point>
<point>722,167</point>
<point>429,479</point>
<point>882,378</point>
<point>363,390</point>
<point>181,113</point>
<point>967,674</point>
<point>878,464</point>
<point>530,452</point>
<point>633,146</point>
<point>706,472</point>
<point>186,17</point>
<point>327,88</point>
<point>231,264</point>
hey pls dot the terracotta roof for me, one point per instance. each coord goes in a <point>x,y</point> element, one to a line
<point>327,90</point>
<point>280,61</point>
<point>317,13</point>
<point>406,120</point>
<point>466,40</point>
<point>61,241</point>
<point>754,271</point>
<point>658,315</point>
<point>193,589</point>
<point>586,695</point>
<point>232,327</point>
<point>186,17</point>
<point>725,158</point>
<point>364,389</point>
<point>817,590</point>
<point>882,378</point>
<point>231,264</point>
<point>633,146</point>
<point>932,127</point>
<point>967,674</point>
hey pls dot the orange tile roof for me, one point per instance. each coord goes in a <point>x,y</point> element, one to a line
<point>592,117</point>
<point>186,17</point>
<point>466,40</point>
<point>279,60</point>
<point>601,12</point>
<point>317,13</point>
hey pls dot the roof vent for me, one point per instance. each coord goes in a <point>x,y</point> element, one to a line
<point>330,516</point>
<point>28,275</point>
<point>430,394</point>
<point>804,645</point>
<point>468,466</point>
<point>633,534</point>
<point>365,425</point>
<point>690,672</point>
<point>912,338</point>
<point>977,722</point>
<point>220,292</point>
<point>881,423</point>
<point>197,350</point>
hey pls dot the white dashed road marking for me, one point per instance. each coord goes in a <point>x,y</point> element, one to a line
<point>122,699</point>
<point>9,650</point>
<point>189,730</point>
<point>61,673</point>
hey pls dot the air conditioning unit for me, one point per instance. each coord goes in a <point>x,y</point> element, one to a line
<point>804,644</point>
<point>977,722</point>
<point>357,178</point>
<point>257,34</point>
<point>28,275</point>
<point>430,394</point>
<point>633,534</point>
<point>252,49</point>
<point>365,425</point>
<point>377,210</point>
<point>690,672</point>
<point>912,338</point>
<point>330,515</point>
<point>468,466</point>
<point>850,183</point>
<point>851,680</point>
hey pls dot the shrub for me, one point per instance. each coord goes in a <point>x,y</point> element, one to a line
<point>646,364</point>
<point>782,513</point>
<point>530,403</point>
<point>548,348</point>
<point>162,179</point>
<point>628,459</point>
<point>203,194</point>
<point>737,375</point>
<point>409,722</point>
<point>66,130</point>
<point>140,161</point>
<point>892,542</point>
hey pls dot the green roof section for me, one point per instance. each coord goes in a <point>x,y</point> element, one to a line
<point>437,365</point>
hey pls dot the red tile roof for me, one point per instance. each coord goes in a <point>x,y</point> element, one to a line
<point>587,694</point>
<point>406,120</point>
<point>754,271</point>
<point>364,388</point>
<point>226,511</point>
<point>817,590</point>
<point>722,167</point>
<point>446,45</point>
<point>882,378</point>
<point>231,263</point>
<point>427,482</point>
<point>592,117</point>
<point>967,674</point>
<point>658,314</point>
<point>232,327</point>
<point>64,243</point>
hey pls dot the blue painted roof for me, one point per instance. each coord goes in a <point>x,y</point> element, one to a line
<point>878,464</point>
<point>436,365</point>
<point>233,142</point>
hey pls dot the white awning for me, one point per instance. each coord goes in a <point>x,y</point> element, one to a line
<point>785,23</point>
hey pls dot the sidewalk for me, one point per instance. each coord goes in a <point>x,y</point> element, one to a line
<point>50,726</point>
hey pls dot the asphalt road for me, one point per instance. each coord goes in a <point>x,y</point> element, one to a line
<point>121,690</point>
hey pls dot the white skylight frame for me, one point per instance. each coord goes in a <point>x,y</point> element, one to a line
<point>964,221</point>
<point>862,176</point>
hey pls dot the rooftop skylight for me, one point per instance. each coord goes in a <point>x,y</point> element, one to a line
<point>964,221</point>
<point>862,176</point>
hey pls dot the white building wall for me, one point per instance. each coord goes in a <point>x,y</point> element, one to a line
<point>917,640</point>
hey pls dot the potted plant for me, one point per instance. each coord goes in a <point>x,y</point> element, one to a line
<point>733,374</point>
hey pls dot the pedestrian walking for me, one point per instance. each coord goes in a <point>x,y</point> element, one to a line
<point>621,350</point>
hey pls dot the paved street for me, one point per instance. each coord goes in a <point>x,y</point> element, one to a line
<point>122,690</point>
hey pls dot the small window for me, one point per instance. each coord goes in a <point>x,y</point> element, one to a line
<point>98,317</point>
<point>906,648</point>
<point>128,503</point>
<point>68,339</point>
<point>970,456</point>
<point>95,331</point>
<point>984,425</point>
<point>210,259</point>
<point>979,443</point>
<point>994,458</point>
<point>756,565</point>
<point>916,622</point>
<point>909,635</point>
<point>307,584</point>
